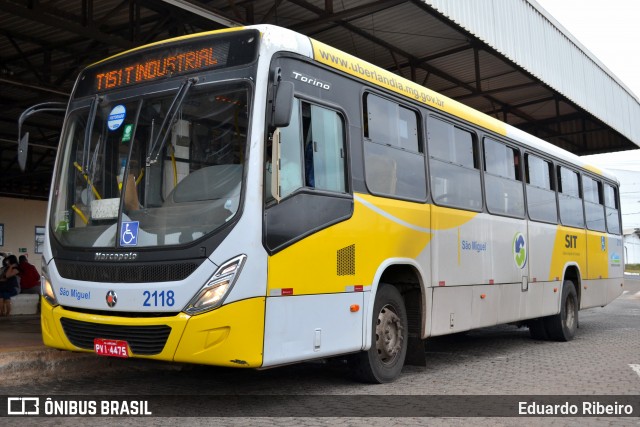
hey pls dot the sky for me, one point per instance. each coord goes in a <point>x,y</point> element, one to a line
<point>610,31</point>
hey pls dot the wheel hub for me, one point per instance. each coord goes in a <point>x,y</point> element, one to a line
<point>389,335</point>
<point>570,313</point>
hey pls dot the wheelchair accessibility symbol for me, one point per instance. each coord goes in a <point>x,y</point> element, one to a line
<point>129,233</point>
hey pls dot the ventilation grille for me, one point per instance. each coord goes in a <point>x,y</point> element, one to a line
<point>125,273</point>
<point>347,261</point>
<point>146,340</point>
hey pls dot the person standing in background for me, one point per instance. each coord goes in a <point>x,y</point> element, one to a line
<point>29,277</point>
<point>9,284</point>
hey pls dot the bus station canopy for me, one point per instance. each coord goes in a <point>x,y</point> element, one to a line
<point>510,60</point>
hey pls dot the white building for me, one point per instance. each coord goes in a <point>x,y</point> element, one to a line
<point>632,246</point>
<point>625,166</point>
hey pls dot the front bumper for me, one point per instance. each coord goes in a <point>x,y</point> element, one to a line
<point>231,335</point>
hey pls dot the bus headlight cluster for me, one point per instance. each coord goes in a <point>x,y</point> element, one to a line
<point>217,287</point>
<point>46,289</point>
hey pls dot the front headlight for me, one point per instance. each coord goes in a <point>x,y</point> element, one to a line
<point>217,287</point>
<point>46,289</point>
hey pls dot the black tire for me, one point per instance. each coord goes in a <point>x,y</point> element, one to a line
<point>562,326</point>
<point>383,362</point>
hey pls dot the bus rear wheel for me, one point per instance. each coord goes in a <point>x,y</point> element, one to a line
<point>562,326</point>
<point>383,362</point>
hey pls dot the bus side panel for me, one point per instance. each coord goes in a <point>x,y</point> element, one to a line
<point>605,270</point>
<point>472,249</point>
<point>597,259</point>
<point>331,268</point>
<point>594,287</point>
<point>540,299</point>
<point>506,235</point>
<point>496,294</point>
<point>453,258</point>
<point>509,305</point>
<point>312,326</point>
<point>569,248</point>
<point>460,308</point>
<point>451,309</point>
<point>349,253</point>
<point>600,292</point>
<point>615,249</point>
<point>541,245</point>
<point>486,305</point>
<point>615,287</point>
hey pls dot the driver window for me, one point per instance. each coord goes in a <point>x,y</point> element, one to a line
<point>291,153</point>
<point>312,153</point>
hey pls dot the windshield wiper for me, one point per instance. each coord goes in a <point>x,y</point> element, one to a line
<point>87,133</point>
<point>169,120</point>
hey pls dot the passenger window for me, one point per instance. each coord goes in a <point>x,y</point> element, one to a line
<point>570,203</point>
<point>611,208</point>
<point>593,204</point>
<point>312,151</point>
<point>453,165</point>
<point>541,195</point>
<point>451,144</point>
<point>503,185</point>
<point>390,124</point>
<point>394,159</point>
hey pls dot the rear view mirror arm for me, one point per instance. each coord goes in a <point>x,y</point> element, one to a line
<point>23,141</point>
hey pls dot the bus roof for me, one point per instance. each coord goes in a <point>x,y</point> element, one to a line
<point>284,39</point>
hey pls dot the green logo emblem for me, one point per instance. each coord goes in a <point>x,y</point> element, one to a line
<point>126,134</point>
<point>519,250</point>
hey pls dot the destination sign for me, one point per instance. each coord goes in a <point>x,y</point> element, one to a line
<point>170,60</point>
<point>160,67</point>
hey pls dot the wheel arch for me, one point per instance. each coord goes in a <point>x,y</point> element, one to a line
<point>572,272</point>
<point>407,276</point>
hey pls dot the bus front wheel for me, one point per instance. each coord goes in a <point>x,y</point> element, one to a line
<point>383,362</point>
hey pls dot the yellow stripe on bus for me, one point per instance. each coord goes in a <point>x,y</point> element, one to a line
<point>594,169</point>
<point>380,229</point>
<point>364,70</point>
<point>377,232</point>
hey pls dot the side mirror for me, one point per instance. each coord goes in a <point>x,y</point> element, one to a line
<point>23,142</point>
<point>283,104</point>
<point>23,150</point>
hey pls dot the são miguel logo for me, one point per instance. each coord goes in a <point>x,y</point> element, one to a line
<point>519,247</point>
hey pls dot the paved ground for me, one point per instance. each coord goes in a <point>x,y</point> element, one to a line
<point>491,364</point>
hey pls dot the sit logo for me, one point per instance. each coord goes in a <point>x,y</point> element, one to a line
<point>519,248</point>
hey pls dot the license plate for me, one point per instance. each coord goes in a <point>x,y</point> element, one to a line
<point>115,348</point>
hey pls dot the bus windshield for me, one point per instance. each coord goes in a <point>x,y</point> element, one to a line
<point>155,170</point>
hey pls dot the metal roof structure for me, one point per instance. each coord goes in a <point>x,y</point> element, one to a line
<point>527,35</point>
<point>507,58</point>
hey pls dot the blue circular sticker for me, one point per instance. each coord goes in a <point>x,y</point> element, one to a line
<point>116,117</point>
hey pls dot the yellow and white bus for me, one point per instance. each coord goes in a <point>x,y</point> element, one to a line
<point>252,197</point>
